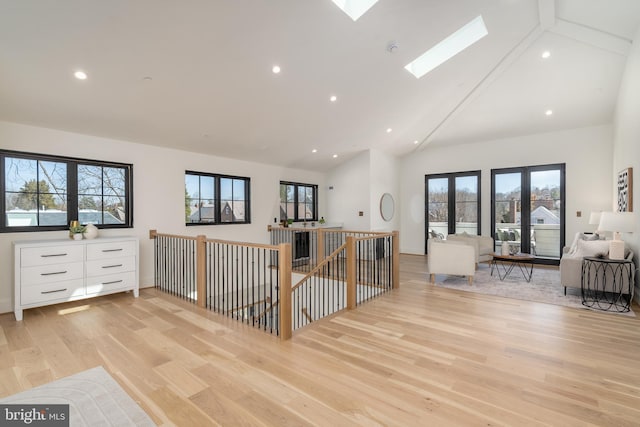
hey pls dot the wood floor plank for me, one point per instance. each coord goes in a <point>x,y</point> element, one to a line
<point>419,355</point>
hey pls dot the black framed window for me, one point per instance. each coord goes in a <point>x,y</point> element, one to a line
<point>528,210</point>
<point>298,202</point>
<point>452,204</point>
<point>43,192</point>
<point>216,199</point>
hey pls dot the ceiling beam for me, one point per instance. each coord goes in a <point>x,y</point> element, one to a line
<point>547,13</point>
<point>592,37</point>
<point>496,71</point>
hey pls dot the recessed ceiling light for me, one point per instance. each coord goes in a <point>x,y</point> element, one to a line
<point>314,151</point>
<point>333,98</point>
<point>355,8</point>
<point>80,75</point>
<point>548,112</point>
<point>389,130</point>
<point>335,156</point>
<point>276,69</point>
<point>448,48</point>
<point>546,54</point>
<point>415,142</point>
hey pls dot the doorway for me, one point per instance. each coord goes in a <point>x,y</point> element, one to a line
<point>528,210</point>
<point>452,204</point>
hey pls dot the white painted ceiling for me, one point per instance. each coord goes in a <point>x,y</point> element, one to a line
<point>196,75</point>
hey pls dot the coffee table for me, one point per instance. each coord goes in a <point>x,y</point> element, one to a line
<point>504,265</point>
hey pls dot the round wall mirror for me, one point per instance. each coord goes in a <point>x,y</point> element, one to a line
<point>387,206</point>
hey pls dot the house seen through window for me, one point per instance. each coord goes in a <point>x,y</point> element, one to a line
<point>43,192</point>
<point>216,199</point>
<point>298,202</point>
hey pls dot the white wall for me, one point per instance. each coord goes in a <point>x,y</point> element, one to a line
<point>348,193</point>
<point>158,177</point>
<point>587,153</point>
<point>626,148</point>
<point>358,186</point>
<point>384,178</point>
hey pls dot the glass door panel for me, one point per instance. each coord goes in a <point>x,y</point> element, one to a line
<point>438,206</point>
<point>546,207</point>
<point>508,211</point>
<point>528,210</point>
<point>466,220</point>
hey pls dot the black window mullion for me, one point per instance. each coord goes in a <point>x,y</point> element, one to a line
<point>217,201</point>
<point>73,209</point>
<point>451,207</point>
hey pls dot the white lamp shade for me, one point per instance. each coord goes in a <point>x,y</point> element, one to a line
<point>594,218</point>
<point>618,222</point>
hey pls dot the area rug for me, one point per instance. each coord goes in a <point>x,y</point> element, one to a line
<point>544,286</point>
<point>94,399</point>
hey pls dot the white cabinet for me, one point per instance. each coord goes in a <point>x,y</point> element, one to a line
<point>55,271</point>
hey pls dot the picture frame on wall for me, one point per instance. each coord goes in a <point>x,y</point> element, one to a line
<point>625,190</point>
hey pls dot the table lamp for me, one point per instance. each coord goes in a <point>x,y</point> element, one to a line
<point>617,222</point>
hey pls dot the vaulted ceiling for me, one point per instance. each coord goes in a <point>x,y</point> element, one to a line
<point>197,75</point>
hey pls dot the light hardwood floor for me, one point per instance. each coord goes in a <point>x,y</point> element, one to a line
<point>417,356</point>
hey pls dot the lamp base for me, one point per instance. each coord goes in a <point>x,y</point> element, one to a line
<point>616,249</point>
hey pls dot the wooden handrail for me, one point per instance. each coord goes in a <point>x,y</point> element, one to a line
<point>153,234</point>
<point>333,230</point>
<point>319,266</point>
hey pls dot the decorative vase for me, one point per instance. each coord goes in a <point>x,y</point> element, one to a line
<point>77,236</point>
<point>90,231</point>
<point>505,248</point>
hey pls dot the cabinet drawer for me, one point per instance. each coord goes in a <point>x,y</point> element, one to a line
<point>51,255</point>
<point>110,282</point>
<point>100,267</point>
<point>52,292</point>
<point>51,273</point>
<point>111,250</point>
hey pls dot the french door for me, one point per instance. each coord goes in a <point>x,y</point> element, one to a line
<point>528,210</point>
<point>452,204</point>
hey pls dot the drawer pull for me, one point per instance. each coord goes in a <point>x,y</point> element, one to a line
<point>51,292</point>
<point>112,266</point>
<point>51,255</point>
<point>55,272</point>
<point>112,250</point>
<point>112,282</point>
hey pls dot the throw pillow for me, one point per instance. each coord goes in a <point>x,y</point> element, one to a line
<point>592,248</point>
<point>581,236</point>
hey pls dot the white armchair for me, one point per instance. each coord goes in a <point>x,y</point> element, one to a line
<point>451,257</point>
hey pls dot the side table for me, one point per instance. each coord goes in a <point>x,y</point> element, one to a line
<point>504,265</point>
<point>607,283</point>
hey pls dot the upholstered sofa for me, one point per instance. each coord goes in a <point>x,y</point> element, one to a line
<point>571,261</point>
<point>451,257</point>
<point>482,245</point>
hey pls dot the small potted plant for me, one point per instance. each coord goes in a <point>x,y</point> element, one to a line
<point>76,230</point>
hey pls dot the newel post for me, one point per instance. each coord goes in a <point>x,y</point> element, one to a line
<point>284,265</point>
<point>320,245</point>
<point>396,260</point>
<point>201,270</point>
<point>351,272</point>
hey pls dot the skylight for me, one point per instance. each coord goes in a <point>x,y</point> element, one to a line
<point>355,8</point>
<point>448,48</point>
